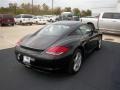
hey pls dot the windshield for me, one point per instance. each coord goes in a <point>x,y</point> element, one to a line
<point>54,30</point>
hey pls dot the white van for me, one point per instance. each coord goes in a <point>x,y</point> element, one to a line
<point>24,19</point>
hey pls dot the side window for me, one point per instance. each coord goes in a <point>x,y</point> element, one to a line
<point>17,16</point>
<point>108,16</point>
<point>116,16</point>
<point>35,18</point>
<point>86,30</point>
<point>77,32</point>
<point>27,16</point>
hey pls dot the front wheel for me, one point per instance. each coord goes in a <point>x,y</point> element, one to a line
<point>75,64</point>
<point>30,24</point>
<point>12,24</point>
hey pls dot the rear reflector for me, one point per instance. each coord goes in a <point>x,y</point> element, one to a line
<point>57,50</point>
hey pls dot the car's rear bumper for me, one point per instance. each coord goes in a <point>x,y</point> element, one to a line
<point>46,63</point>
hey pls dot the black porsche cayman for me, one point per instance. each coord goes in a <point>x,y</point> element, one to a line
<point>61,45</point>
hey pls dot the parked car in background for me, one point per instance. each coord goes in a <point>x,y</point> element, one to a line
<point>36,19</point>
<point>40,20</point>
<point>43,20</point>
<point>107,22</point>
<point>6,19</point>
<point>61,45</point>
<point>76,18</point>
<point>67,16</point>
<point>47,17</point>
<point>51,18</point>
<point>24,19</point>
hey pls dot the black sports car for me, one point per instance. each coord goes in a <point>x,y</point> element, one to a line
<point>61,45</point>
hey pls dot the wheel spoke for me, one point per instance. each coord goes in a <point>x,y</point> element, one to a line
<point>77,61</point>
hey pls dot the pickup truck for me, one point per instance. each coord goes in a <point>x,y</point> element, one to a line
<point>107,22</point>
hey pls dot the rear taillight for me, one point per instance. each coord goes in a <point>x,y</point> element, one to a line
<point>57,50</point>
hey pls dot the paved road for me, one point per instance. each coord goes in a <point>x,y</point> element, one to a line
<point>101,71</point>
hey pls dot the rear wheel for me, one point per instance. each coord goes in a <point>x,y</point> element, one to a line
<point>37,22</point>
<point>21,23</point>
<point>75,64</point>
<point>30,24</point>
<point>12,24</point>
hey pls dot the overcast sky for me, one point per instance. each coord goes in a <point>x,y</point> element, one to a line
<point>82,4</point>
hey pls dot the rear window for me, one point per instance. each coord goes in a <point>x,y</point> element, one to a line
<point>108,15</point>
<point>54,30</point>
<point>27,16</point>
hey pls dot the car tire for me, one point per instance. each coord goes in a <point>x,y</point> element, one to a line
<point>21,23</point>
<point>76,62</point>
<point>12,24</point>
<point>30,24</point>
<point>99,44</point>
<point>37,22</point>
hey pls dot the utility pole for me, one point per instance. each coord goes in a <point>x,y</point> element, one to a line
<point>15,6</point>
<point>32,6</point>
<point>52,7</point>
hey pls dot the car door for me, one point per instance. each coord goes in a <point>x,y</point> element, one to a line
<point>116,22</point>
<point>90,39</point>
<point>106,22</point>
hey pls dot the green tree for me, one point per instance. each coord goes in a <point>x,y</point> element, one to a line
<point>57,11</point>
<point>86,13</point>
<point>89,12</point>
<point>76,11</point>
<point>67,9</point>
<point>45,7</point>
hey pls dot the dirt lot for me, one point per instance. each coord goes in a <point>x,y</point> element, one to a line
<point>10,35</point>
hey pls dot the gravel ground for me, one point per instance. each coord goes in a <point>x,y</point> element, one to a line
<point>10,35</point>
